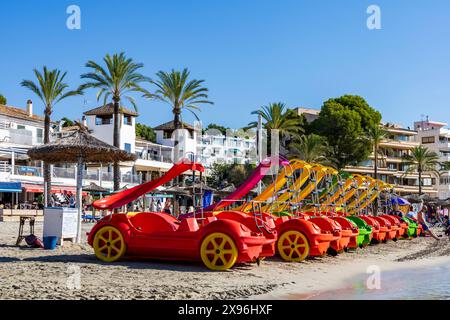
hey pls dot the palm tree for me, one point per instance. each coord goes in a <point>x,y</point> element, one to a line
<point>311,148</point>
<point>421,160</point>
<point>445,166</point>
<point>180,93</point>
<point>376,134</point>
<point>116,80</point>
<point>277,117</point>
<point>51,89</point>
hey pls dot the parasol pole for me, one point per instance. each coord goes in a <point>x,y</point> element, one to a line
<point>79,196</point>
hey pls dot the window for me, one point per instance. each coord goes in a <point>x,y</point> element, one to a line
<point>426,140</point>
<point>128,147</point>
<point>103,120</point>
<point>20,127</point>
<point>39,135</point>
<point>128,120</point>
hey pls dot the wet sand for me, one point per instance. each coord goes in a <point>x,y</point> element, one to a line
<point>73,272</point>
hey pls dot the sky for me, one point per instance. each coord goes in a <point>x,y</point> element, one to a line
<point>249,52</point>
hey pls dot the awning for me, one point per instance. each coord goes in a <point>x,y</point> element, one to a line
<point>10,187</point>
<point>38,188</point>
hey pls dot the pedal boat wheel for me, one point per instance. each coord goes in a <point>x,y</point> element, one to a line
<point>293,246</point>
<point>218,252</point>
<point>109,245</point>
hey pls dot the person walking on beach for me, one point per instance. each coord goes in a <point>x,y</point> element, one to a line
<point>421,218</point>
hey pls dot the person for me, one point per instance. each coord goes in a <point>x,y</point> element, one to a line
<point>167,207</point>
<point>158,206</point>
<point>72,201</point>
<point>421,218</point>
<point>153,206</point>
<point>397,212</point>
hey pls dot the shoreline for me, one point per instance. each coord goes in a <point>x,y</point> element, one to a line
<point>333,279</point>
<point>49,274</point>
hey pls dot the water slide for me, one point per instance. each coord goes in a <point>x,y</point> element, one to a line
<point>331,198</point>
<point>357,181</point>
<point>353,206</point>
<point>256,176</point>
<point>281,182</point>
<point>125,197</point>
<point>318,172</point>
<point>380,186</point>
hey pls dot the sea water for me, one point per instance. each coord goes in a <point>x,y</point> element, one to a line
<point>427,283</point>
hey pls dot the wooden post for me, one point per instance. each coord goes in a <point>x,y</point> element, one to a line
<point>79,197</point>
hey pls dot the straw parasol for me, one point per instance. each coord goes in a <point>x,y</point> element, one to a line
<point>95,188</point>
<point>79,147</point>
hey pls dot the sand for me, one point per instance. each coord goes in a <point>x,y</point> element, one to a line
<point>73,272</point>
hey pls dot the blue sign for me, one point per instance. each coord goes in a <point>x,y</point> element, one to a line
<point>10,187</point>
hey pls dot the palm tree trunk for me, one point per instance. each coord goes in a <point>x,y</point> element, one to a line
<point>47,173</point>
<point>420,181</point>
<point>116,142</point>
<point>176,117</point>
<point>376,163</point>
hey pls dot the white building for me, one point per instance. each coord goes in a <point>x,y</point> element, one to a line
<point>101,121</point>
<point>21,180</point>
<point>209,147</point>
<point>436,137</point>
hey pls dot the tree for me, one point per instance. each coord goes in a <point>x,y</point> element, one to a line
<point>116,80</point>
<point>3,100</point>
<point>421,160</point>
<point>277,117</point>
<point>51,89</point>
<point>311,148</point>
<point>345,122</point>
<point>223,174</point>
<point>180,93</point>
<point>67,122</point>
<point>213,126</point>
<point>376,135</point>
<point>445,166</point>
<point>145,132</point>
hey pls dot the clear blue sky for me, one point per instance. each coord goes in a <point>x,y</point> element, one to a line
<point>250,52</point>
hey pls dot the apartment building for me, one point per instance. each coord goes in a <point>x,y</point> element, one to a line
<point>22,179</point>
<point>400,141</point>
<point>436,137</point>
<point>208,147</point>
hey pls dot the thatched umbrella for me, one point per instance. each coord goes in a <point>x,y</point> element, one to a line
<point>95,188</point>
<point>79,147</point>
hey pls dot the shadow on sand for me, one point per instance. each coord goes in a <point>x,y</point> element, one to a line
<point>180,266</point>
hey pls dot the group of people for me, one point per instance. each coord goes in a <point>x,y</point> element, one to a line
<point>426,215</point>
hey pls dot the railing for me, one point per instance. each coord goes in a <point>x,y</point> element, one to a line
<point>28,171</point>
<point>91,175</point>
<point>65,173</point>
<point>5,167</point>
<point>69,173</point>
<point>153,157</point>
<point>107,176</point>
<point>131,178</point>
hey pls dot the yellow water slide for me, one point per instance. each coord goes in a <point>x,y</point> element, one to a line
<point>317,174</point>
<point>368,186</point>
<point>287,173</point>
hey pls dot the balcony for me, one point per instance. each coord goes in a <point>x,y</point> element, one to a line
<point>17,136</point>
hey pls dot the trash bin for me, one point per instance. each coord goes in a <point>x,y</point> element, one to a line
<point>50,243</point>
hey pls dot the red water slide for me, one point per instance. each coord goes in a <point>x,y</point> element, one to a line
<point>122,198</point>
<point>257,175</point>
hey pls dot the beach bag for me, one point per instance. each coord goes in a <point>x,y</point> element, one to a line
<point>33,241</point>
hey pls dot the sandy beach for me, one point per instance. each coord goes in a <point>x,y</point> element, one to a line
<point>73,272</point>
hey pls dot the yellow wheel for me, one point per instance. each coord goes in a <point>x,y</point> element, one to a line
<point>218,252</point>
<point>109,245</point>
<point>293,246</point>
